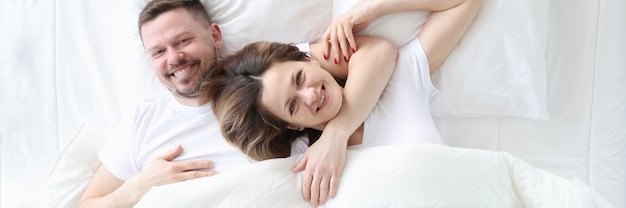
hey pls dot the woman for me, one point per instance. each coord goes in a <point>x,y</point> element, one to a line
<point>285,94</point>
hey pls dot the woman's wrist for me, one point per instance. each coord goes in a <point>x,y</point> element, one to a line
<point>337,132</point>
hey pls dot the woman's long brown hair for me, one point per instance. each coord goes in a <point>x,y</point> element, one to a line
<point>234,88</point>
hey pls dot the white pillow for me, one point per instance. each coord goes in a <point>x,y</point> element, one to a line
<point>498,68</point>
<point>243,22</point>
<point>288,21</point>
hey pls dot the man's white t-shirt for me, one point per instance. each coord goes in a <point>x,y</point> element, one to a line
<point>402,114</point>
<point>159,125</point>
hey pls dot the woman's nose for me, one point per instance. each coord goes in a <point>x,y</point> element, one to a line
<point>309,96</point>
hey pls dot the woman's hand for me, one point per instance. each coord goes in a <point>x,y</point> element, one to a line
<point>323,163</point>
<point>339,36</point>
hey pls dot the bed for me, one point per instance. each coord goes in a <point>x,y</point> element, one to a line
<point>536,83</point>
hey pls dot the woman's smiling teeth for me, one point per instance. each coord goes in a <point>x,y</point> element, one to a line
<point>181,72</point>
<point>322,98</point>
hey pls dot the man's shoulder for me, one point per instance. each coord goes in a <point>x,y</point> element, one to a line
<point>154,102</point>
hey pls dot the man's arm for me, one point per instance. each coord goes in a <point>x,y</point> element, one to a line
<point>106,190</point>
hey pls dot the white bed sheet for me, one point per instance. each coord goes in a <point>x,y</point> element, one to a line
<point>62,67</point>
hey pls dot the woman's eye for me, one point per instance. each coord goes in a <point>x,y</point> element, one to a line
<point>298,77</point>
<point>292,106</point>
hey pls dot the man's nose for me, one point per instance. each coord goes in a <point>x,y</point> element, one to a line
<point>174,57</point>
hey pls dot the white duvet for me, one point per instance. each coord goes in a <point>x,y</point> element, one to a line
<point>389,176</point>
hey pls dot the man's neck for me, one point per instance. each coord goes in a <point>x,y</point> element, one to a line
<point>192,102</point>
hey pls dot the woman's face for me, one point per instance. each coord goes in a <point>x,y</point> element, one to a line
<point>301,93</point>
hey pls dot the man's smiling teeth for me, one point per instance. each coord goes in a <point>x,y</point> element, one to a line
<point>181,72</point>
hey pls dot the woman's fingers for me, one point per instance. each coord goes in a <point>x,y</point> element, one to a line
<point>324,185</point>
<point>343,44</point>
<point>306,185</point>
<point>315,190</point>
<point>334,183</point>
<point>334,46</point>
<point>339,38</point>
<point>301,164</point>
<point>326,39</point>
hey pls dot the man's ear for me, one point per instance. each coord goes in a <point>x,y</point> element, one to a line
<point>216,34</point>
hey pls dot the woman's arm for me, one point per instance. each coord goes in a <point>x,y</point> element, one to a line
<point>369,72</point>
<point>444,29</point>
<point>339,36</point>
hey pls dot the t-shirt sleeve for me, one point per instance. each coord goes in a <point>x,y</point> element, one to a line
<point>117,155</point>
<point>304,47</point>
<point>421,75</point>
<point>299,146</point>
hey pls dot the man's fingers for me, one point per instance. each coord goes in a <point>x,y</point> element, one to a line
<point>194,165</point>
<point>171,154</point>
<point>188,175</point>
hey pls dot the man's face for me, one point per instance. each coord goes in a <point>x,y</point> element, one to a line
<point>180,49</point>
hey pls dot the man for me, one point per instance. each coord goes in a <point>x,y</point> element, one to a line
<point>182,44</point>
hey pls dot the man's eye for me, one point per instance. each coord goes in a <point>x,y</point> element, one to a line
<point>298,77</point>
<point>157,53</point>
<point>183,41</point>
<point>292,106</point>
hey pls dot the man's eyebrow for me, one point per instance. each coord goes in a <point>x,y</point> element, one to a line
<point>174,39</point>
<point>152,48</point>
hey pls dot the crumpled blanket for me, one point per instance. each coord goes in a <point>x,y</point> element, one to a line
<point>422,175</point>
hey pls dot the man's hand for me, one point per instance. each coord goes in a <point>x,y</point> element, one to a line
<point>106,190</point>
<point>163,171</point>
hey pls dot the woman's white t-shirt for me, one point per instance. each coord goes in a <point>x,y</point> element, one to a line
<point>402,114</point>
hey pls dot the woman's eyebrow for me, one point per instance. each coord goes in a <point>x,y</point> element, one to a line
<point>293,83</point>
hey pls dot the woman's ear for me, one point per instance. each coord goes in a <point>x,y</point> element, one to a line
<point>295,128</point>
<point>313,61</point>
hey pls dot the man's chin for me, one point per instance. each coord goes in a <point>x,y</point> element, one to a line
<point>189,94</point>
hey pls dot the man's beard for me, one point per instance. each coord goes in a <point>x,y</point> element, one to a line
<point>194,92</point>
